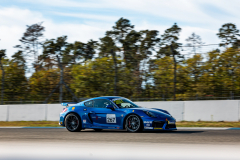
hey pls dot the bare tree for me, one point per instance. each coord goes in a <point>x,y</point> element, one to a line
<point>195,42</point>
<point>31,40</point>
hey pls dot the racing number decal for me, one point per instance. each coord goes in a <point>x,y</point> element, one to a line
<point>111,118</point>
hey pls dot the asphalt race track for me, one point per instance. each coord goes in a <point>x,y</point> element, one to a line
<point>43,143</point>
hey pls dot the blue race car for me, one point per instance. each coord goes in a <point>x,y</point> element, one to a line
<point>114,112</point>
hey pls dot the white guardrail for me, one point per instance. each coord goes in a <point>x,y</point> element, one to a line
<point>213,110</point>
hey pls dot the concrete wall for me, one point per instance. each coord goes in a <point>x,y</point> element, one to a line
<point>226,110</point>
<point>221,110</point>
<point>53,111</point>
<point>34,112</point>
<point>4,113</point>
<point>239,111</point>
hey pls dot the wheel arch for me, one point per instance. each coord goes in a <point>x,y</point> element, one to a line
<point>73,113</point>
<point>124,120</point>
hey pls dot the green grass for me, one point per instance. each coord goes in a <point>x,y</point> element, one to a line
<point>29,124</point>
<point>179,124</point>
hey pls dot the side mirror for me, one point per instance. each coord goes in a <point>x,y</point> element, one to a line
<point>110,107</point>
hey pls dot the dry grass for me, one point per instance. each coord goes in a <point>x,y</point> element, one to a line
<point>208,124</point>
<point>179,124</point>
<point>29,124</point>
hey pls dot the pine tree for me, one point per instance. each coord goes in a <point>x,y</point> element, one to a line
<point>32,41</point>
<point>169,47</point>
<point>229,35</point>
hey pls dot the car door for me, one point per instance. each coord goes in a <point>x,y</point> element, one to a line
<point>101,116</point>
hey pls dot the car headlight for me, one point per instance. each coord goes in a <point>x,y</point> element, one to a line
<point>150,114</point>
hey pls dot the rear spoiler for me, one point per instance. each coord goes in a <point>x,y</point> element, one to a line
<point>66,104</point>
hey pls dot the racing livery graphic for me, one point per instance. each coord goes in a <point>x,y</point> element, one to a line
<point>114,113</point>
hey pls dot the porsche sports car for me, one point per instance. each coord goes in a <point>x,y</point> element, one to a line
<point>114,112</point>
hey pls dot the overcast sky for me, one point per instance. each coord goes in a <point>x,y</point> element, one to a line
<point>83,20</point>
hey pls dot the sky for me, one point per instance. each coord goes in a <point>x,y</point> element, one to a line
<point>82,20</point>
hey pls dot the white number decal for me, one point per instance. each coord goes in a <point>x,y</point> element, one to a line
<point>111,118</point>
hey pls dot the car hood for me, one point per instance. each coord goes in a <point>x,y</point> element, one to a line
<point>158,113</point>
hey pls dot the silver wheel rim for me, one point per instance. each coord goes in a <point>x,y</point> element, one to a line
<point>133,123</point>
<point>72,122</point>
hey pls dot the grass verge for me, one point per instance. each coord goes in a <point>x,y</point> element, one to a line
<point>179,124</point>
<point>29,124</point>
<point>208,124</point>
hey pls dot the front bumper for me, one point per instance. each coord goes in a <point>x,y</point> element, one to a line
<point>160,125</point>
<point>61,124</point>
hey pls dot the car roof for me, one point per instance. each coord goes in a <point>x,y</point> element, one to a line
<point>105,97</point>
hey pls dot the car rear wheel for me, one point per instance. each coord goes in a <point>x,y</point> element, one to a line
<point>73,123</point>
<point>133,123</point>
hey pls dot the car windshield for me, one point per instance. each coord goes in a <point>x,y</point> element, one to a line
<point>124,103</point>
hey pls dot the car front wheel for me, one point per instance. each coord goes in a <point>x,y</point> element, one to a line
<point>133,123</point>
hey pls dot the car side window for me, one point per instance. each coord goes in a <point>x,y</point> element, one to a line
<point>101,103</point>
<point>89,103</point>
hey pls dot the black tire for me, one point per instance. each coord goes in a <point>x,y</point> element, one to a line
<point>133,123</point>
<point>73,123</point>
<point>98,130</point>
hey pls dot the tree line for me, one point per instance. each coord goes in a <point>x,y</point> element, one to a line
<point>140,65</point>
